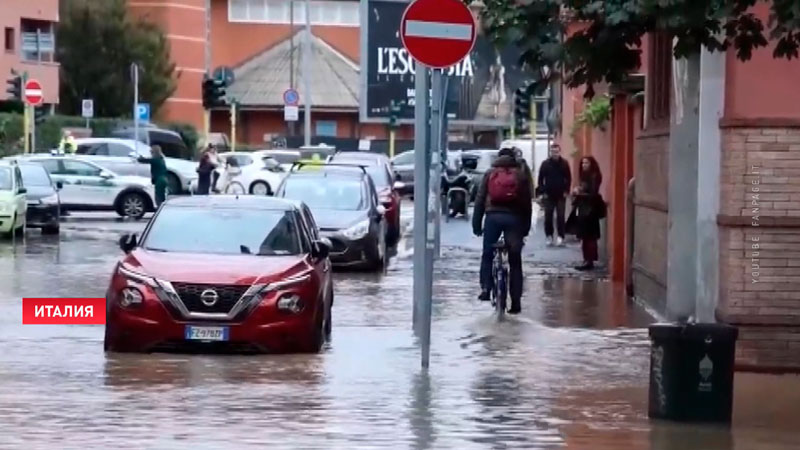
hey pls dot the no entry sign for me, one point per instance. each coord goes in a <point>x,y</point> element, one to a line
<point>438,33</point>
<point>33,92</point>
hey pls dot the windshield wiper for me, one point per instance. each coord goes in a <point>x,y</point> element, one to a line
<point>153,249</point>
<point>245,250</point>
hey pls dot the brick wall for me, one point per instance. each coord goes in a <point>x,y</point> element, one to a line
<point>760,243</point>
<point>651,166</point>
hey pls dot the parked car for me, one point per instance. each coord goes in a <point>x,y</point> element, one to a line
<point>286,158</point>
<point>44,203</point>
<point>344,202</point>
<point>379,168</point>
<point>251,274</point>
<point>260,173</point>
<point>403,168</point>
<point>484,158</point>
<point>13,206</point>
<point>87,186</point>
<point>171,142</point>
<point>119,156</point>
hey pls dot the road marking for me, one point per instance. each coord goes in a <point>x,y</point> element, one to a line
<point>438,30</point>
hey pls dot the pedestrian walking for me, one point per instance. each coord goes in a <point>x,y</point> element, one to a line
<point>589,208</point>
<point>205,169</point>
<point>158,173</point>
<point>555,180</point>
<point>505,197</point>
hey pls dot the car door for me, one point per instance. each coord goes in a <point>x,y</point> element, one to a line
<point>20,197</point>
<point>88,187</point>
<point>322,266</point>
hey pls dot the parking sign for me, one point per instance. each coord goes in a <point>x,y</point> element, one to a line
<point>87,108</point>
<point>143,112</point>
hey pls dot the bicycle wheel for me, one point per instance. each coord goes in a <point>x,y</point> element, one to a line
<point>502,290</point>
<point>235,188</point>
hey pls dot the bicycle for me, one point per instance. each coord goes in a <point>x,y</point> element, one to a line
<point>228,182</point>
<point>499,289</point>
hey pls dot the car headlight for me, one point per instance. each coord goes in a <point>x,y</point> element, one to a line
<point>50,199</point>
<point>291,303</point>
<point>137,277</point>
<point>357,231</point>
<point>5,208</point>
<point>130,297</point>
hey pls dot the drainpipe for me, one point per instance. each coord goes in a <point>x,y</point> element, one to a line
<point>631,199</point>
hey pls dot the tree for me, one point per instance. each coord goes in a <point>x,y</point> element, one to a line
<point>96,43</point>
<point>607,47</point>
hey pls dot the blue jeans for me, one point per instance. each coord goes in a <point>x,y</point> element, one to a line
<point>510,227</point>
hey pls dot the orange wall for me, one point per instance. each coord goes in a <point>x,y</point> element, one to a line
<point>748,94</point>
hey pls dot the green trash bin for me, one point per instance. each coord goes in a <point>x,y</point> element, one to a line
<point>691,372</point>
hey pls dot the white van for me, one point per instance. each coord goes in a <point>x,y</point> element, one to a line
<point>534,157</point>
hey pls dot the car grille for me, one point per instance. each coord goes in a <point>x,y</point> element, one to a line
<point>338,245</point>
<point>228,295</point>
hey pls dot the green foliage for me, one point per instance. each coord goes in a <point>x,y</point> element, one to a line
<point>596,113</point>
<point>188,132</point>
<point>96,43</point>
<point>607,47</point>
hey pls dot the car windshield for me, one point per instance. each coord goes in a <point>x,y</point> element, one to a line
<point>5,179</point>
<point>377,171</point>
<point>285,158</point>
<point>325,192</point>
<point>223,231</point>
<point>34,175</point>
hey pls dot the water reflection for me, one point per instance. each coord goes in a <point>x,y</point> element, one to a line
<point>421,417</point>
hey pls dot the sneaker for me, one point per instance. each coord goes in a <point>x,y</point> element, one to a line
<point>585,266</point>
<point>484,296</point>
<point>560,242</point>
<point>515,308</point>
<point>550,241</point>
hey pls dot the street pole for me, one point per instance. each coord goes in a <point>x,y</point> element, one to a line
<point>135,70</point>
<point>439,136</point>
<point>307,74</point>
<point>392,134</point>
<point>32,119</point>
<point>233,125</point>
<point>207,112</point>
<point>422,277</point>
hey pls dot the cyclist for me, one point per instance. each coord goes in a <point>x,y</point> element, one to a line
<point>505,198</point>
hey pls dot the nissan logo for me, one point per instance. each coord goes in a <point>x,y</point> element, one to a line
<point>209,297</point>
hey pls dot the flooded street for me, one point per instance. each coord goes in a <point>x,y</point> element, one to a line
<point>569,372</point>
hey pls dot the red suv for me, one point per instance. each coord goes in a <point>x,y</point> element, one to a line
<point>243,274</point>
<point>379,167</point>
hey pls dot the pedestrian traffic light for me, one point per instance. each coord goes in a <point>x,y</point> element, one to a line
<point>213,93</point>
<point>39,114</point>
<point>522,109</point>
<point>14,89</point>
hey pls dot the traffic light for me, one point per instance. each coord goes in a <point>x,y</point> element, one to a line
<point>14,89</point>
<point>213,93</point>
<point>522,108</point>
<point>39,114</point>
<point>394,115</point>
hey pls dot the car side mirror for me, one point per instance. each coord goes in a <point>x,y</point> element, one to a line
<point>127,242</point>
<point>106,174</point>
<point>23,190</point>
<point>59,185</point>
<point>398,186</point>
<point>321,248</point>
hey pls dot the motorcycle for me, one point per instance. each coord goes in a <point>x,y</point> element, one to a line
<point>455,193</point>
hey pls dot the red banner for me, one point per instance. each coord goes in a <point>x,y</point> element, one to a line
<point>63,311</point>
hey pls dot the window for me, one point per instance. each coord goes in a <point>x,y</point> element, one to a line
<point>18,177</point>
<point>51,165</point>
<point>240,160</point>
<point>38,41</point>
<point>82,169</point>
<point>326,128</point>
<point>331,12</point>
<point>326,192</point>
<point>5,179</point>
<point>404,158</point>
<point>9,39</point>
<point>35,175</point>
<point>118,150</point>
<point>277,233</point>
<point>659,77</point>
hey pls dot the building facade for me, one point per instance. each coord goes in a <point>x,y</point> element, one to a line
<point>28,40</point>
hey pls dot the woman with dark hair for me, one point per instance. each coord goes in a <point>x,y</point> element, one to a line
<point>590,208</point>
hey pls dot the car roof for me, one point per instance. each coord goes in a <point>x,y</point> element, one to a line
<point>323,171</point>
<point>234,202</point>
<point>98,140</point>
<point>362,156</point>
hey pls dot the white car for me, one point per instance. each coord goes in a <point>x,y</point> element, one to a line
<point>13,206</point>
<point>119,156</point>
<point>249,172</point>
<point>89,187</point>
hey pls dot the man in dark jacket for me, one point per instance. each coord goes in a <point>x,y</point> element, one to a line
<point>554,183</point>
<point>510,218</point>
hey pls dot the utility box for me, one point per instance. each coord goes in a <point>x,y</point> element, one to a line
<point>691,372</point>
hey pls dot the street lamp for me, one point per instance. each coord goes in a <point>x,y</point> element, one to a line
<point>476,7</point>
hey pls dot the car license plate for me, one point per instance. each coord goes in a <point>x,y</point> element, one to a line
<point>206,333</point>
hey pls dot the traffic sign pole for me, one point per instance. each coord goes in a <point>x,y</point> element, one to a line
<point>423,273</point>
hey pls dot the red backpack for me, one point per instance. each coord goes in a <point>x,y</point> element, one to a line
<point>503,185</point>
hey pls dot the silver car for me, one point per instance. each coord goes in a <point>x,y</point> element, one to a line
<point>90,187</point>
<point>119,156</point>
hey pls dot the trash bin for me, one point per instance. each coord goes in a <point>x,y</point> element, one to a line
<point>691,372</point>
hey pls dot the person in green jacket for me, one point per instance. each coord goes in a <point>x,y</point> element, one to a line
<point>158,173</point>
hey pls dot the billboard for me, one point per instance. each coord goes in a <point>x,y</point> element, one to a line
<point>480,88</point>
